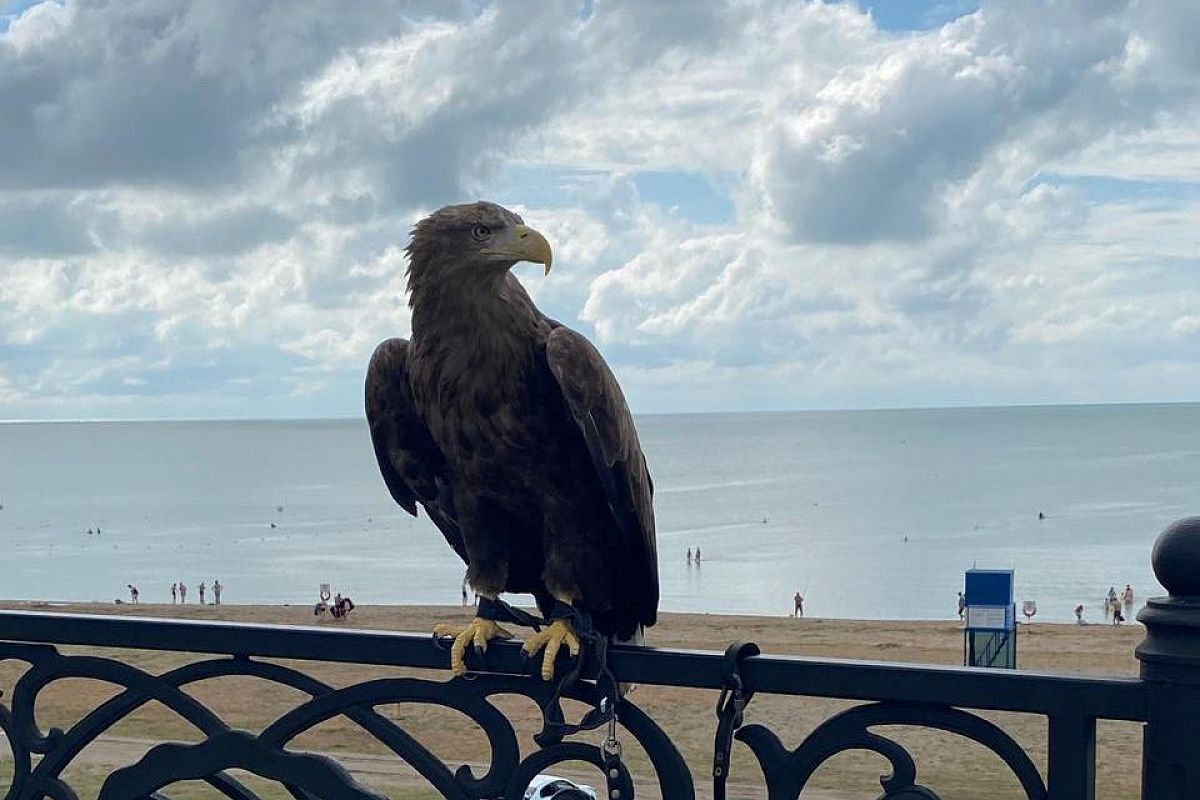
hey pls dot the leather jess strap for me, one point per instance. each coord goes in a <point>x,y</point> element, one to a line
<point>730,707</point>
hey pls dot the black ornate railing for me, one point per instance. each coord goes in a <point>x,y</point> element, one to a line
<point>1166,698</point>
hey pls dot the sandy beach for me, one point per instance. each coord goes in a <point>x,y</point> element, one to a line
<point>954,767</point>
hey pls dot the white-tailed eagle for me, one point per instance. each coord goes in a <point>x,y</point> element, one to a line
<point>513,434</point>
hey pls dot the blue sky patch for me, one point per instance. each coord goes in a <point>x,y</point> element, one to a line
<point>916,15</point>
<point>696,197</point>
<point>692,194</point>
<point>1103,189</point>
<point>11,9</point>
<point>540,186</point>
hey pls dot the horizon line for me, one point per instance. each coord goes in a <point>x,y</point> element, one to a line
<point>748,412</point>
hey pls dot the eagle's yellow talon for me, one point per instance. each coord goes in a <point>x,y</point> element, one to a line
<point>552,639</point>
<point>478,633</point>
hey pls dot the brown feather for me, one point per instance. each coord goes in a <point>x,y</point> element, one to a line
<point>527,431</point>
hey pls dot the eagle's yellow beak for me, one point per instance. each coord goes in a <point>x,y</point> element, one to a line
<point>523,243</point>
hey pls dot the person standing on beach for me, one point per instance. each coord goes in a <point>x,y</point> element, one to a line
<point>798,611</point>
<point>174,593</point>
<point>133,593</point>
<point>962,604</point>
<point>217,587</point>
<point>182,592</point>
<point>464,592</point>
<point>201,587</point>
<point>1079,614</point>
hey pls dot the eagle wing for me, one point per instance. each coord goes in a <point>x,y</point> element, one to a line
<point>598,406</point>
<point>413,467</point>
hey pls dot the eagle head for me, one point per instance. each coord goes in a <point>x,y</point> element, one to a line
<point>470,240</point>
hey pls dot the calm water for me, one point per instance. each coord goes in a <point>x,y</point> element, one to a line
<point>838,491</point>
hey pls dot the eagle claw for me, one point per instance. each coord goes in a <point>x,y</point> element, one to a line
<point>552,639</point>
<point>477,634</point>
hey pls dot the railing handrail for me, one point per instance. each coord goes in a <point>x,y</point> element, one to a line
<point>1049,694</point>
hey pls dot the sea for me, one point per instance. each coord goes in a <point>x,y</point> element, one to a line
<point>869,514</point>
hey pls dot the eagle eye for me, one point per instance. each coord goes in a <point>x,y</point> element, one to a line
<point>481,232</point>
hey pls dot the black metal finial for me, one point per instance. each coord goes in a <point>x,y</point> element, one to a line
<point>1176,558</point>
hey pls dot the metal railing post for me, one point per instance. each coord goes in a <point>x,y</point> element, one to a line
<point>1072,757</point>
<point>1170,656</point>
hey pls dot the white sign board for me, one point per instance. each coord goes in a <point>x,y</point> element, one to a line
<point>986,618</point>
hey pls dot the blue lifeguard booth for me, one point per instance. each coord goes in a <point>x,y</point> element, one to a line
<point>990,636</point>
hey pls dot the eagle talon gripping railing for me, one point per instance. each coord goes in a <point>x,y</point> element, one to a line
<point>1165,699</point>
<point>554,726</point>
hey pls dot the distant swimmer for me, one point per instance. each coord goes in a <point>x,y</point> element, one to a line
<point>689,556</point>
<point>273,526</point>
<point>906,537</point>
<point>697,556</point>
<point>91,532</point>
<point>764,520</point>
<point>1041,515</point>
<point>279,508</point>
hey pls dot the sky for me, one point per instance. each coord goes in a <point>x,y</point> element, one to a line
<point>754,204</point>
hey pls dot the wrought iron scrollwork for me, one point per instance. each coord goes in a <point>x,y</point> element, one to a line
<point>40,756</point>
<point>308,773</point>
<point>788,771</point>
<point>17,750</point>
<point>305,775</point>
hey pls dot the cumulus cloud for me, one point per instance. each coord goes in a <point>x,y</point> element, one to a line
<point>203,205</point>
<point>416,119</point>
<point>880,150</point>
<point>110,92</point>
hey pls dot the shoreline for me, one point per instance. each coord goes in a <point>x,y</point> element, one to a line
<point>123,605</point>
<point>14,602</point>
